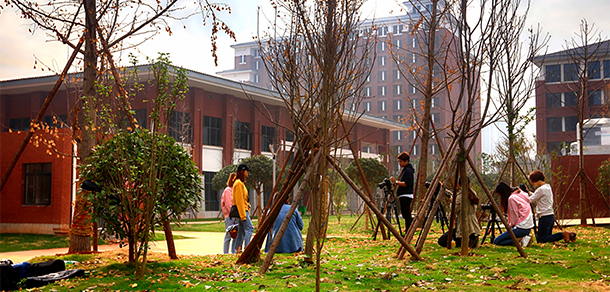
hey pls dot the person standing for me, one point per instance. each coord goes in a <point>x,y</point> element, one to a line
<point>404,186</point>
<point>241,200</point>
<point>226,202</point>
<point>543,198</point>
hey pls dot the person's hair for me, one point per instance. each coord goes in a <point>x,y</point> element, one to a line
<point>231,179</point>
<point>241,176</point>
<point>504,191</point>
<point>536,175</point>
<point>404,156</point>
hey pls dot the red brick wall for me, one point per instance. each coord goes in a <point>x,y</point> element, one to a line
<point>567,203</point>
<point>16,217</point>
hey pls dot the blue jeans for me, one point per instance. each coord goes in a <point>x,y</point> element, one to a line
<point>545,228</point>
<point>244,232</point>
<point>504,238</point>
<point>227,241</point>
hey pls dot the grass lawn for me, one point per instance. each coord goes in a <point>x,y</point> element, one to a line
<point>354,262</point>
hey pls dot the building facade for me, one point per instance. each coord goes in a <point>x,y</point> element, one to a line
<point>393,90</point>
<point>558,87</point>
<point>220,122</point>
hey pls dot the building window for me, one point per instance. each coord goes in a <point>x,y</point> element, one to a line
<point>553,100</point>
<point>382,31</point>
<point>257,53</point>
<point>414,103</point>
<point>381,90</point>
<point>267,138</point>
<point>397,29</point>
<point>397,136</point>
<point>570,124</point>
<point>381,75</point>
<point>381,61</point>
<point>367,106</point>
<point>289,136</point>
<point>397,89</point>
<point>434,102</point>
<point>433,149</point>
<point>180,127</point>
<point>570,72</point>
<point>366,91</point>
<point>397,44</point>
<point>257,78</point>
<point>413,43</point>
<point>19,124</point>
<point>554,124</point>
<point>212,200</point>
<point>37,184</point>
<point>607,69</point>
<point>570,99</point>
<point>384,117</point>
<point>412,89</point>
<point>397,104</point>
<point>381,46</point>
<point>212,131</point>
<point>594,70</point>
<point>552,73</point>
<point>595,97</point>
<point>366,149</point>
<point>436,117</point>
<point>242,59</point>
<point>243,136</point>
<point>381,105</point>
<point>397,118</point>
<point>258,65</point>
<point>396,74</point>
<point>413,58</point>
<point>415,150</point>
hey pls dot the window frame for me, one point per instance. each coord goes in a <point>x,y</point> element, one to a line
<point>38,184</point>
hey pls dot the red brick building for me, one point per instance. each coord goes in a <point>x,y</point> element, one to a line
<point>220,121</point>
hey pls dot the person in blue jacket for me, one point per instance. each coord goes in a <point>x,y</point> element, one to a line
<point>292,241</point>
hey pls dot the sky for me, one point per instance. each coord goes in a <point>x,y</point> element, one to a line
<point>26,54</point>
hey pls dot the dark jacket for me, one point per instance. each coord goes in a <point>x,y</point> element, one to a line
<point>407,177</point>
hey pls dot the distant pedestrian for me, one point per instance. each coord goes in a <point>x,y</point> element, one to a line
<point>543,198</point>
<point>226,202</point>
<point>241,200</point>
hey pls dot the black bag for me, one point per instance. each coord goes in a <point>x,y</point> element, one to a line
<point>39,281</point>
<point>9,276</point>
<point>234,213</point>
<point>43,268</point>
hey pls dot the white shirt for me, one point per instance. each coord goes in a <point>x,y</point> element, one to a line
<point>528,223</point>
<point>543,197</point>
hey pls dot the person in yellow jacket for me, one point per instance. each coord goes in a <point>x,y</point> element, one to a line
<point>240,199</point>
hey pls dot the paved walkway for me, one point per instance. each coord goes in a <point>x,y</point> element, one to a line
<point>198,243</point>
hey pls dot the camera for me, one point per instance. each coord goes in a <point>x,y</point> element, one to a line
<point>486,207</point>
<point>385,185</point>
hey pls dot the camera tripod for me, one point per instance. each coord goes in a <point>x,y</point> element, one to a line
<point>492,224</point>
<point>440,215</point>
<point>389,203</point>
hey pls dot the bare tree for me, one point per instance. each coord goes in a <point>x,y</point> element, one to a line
<point>583,53</point>
<point>108,26</point>
<point>515,78</point>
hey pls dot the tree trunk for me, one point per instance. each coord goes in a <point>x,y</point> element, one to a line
<point>169,239</point>
<point>82,242</point>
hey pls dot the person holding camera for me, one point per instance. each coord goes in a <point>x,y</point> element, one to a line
<point>472,223</point>
<point>516,203</point>
<point>543,198</point>
<point>404,186</point>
